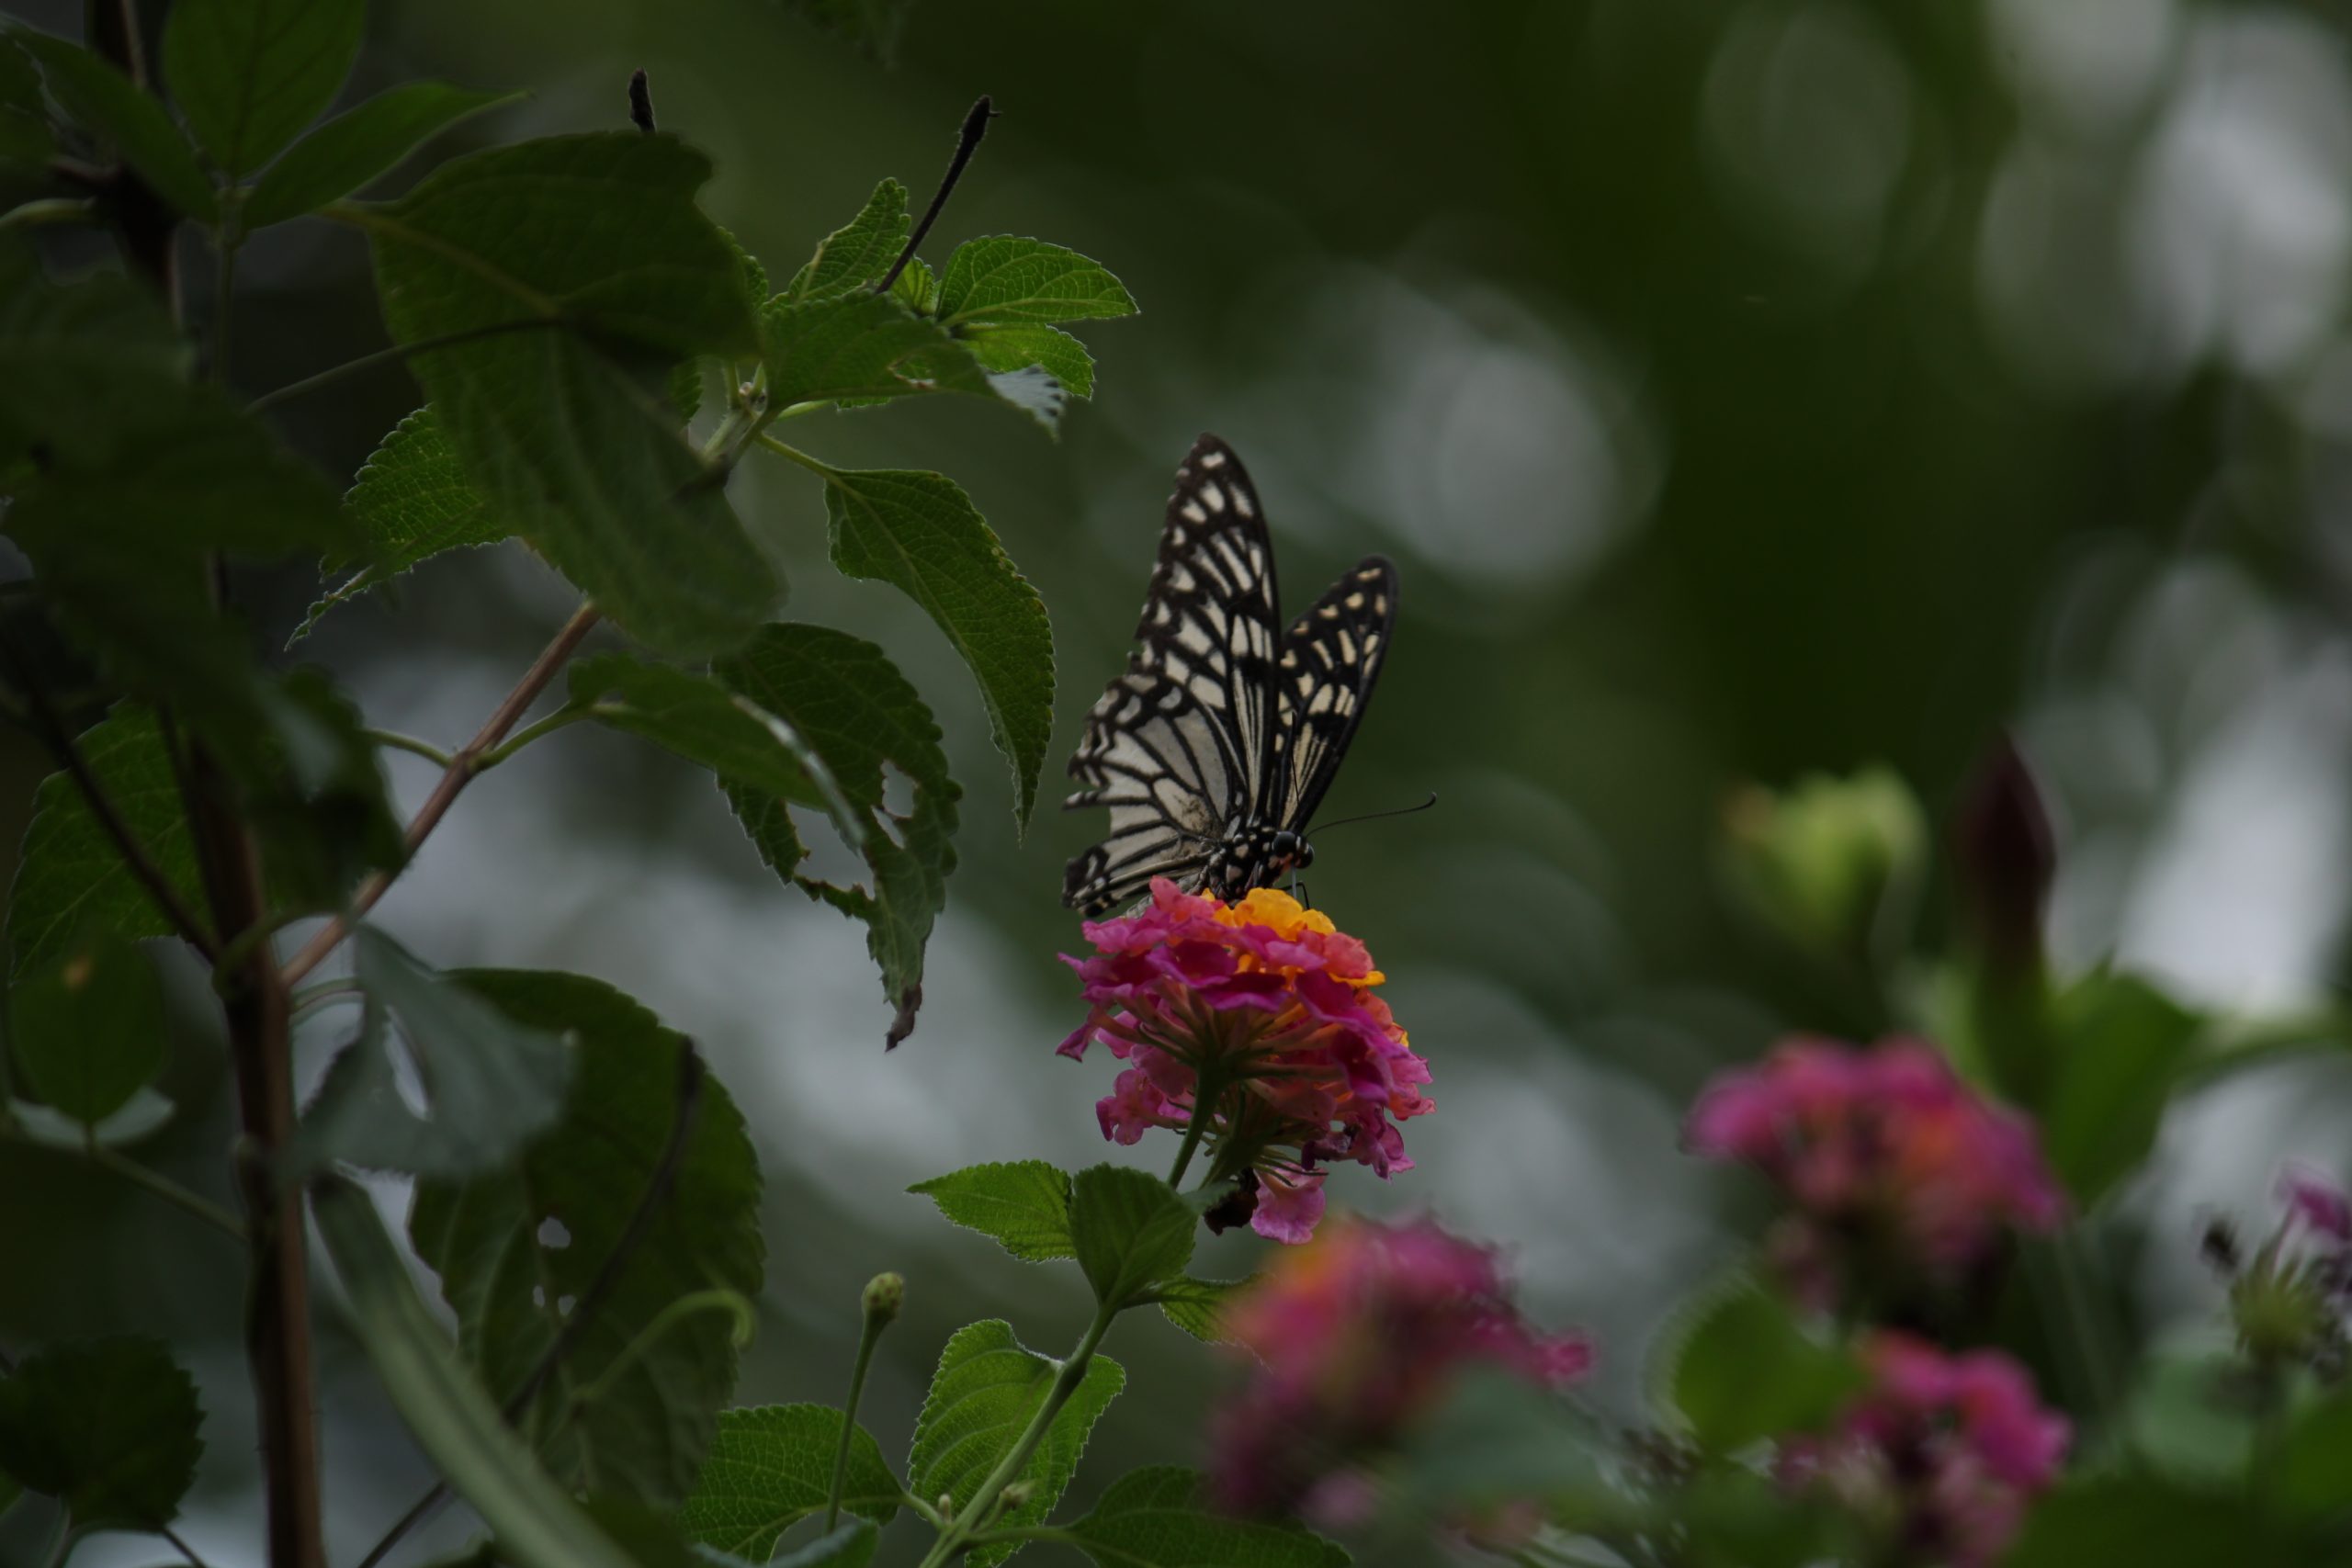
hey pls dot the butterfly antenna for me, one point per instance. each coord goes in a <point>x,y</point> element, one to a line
<point>1377,815</point>
<point>967,141</point>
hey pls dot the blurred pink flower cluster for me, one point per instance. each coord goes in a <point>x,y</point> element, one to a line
<point>1354,1338</point>
<point>1946,1450</point>
<point>1260,1017</point>
<point>1884,1150</point>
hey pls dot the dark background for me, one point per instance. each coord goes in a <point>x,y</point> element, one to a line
<point>1744,390</point>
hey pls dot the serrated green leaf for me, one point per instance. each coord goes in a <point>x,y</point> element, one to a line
<point>1003,349</point>
<point>917,288</point>
<point>857,255</point>
<point>317,801</point>
<point>78,360</point>
<point>2120,1046</point>
<point>987,1388</point>
<point>489,1084</point>
<point>920,533</point>
<point>359,146</point>
<point>1744,1370</point>
<point>249,74</point>
<point>1023,1205</point>
<point>69,877</point>
<point>89,1028</point>
<point>564,429</point>
<point>1155,1519</point>
<point>849,1546</point>
<point>858,347</point>
<point>702,721</point>
<point>409,501</point>
<point>771,1466</point>
<point>108,104</point>
<point>844,697</point>
<point>453,1420</point>
<point>510,1277</point>
<point>1130,1230</point>
<point>1004,277</point>
<point>1197,1306</point>
<point>109,1427</point>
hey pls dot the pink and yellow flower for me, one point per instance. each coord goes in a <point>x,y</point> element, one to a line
<point>1253,1029</point>
<point>1353,1338</point>
<point>1947,1450</point>
<point>1884,1150</point>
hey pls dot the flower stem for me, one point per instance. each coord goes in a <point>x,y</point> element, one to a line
<point>982,1507</point>
<point>870,1331</point>
<point>399,742</point>
<point>1193,1128</point>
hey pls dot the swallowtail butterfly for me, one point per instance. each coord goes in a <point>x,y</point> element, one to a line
<point>1216,745</point>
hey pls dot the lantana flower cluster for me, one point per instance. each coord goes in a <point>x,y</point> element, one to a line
<point>2290,1300</point>
<point>1944,1452</point>
<point>1253,1029</point>
<point>1354,1338</point>
<point>1892,1161</point>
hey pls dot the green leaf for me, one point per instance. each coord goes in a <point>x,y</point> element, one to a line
<point>849,1546</point>
<point>1743,1369</point>
<point>1197,1306</point>
<point>249,74</point>
<point>145,1113</point>
<point>69,879</point>
<point>25,135</point>
<point>857,255</point>
<point>986,1390</point>
<point>857,713</point>
<point>1008,348</point>
<point>1155,1519</point>
<point>318,806</point>
<point>109,1427</point>
<point>1004,277</point>
<point>359,146</point>
<point>703,722</point>
<point>409,501</point>
<point>565,430</point>
<point>2146,1523</point>
<point>1130,1229</point>
<point>2121,1046</point>
<point>1022,1204</point>
<point>860,346</point>
<point>108,104</point>
<point>2312,1472</point>
<point>89,1030</point>
<point>453,1420</point>
<point>511,1277</point>
<point>79,360</point>
<point>1493,1437</point>
<point>489,1084</point>
<point>771,1466</point>
<point>920,533</point>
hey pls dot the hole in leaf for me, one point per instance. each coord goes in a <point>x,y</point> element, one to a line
<point>538,1295</point>
<point>897,789</point>
<point>554,1234</point>
<point>563,1305</point>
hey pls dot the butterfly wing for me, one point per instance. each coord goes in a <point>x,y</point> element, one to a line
<point>1331,658</point>
<point>1179,747</point>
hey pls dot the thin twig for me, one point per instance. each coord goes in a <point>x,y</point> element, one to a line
<point>185,1550</point>
<point>640,102</point>
<point>461,770</point>
<point>399,742</point>
<point>657,1187</point>
<point>967,141</point>
<point>68,752</point>
<point>163,1187</point>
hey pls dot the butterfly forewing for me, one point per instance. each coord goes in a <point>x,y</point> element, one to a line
<point>1179,747</point>
<point>1323,680</point>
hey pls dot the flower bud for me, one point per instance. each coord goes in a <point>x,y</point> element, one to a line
<point>2005,858</point>
<point>1832,863</point>
<point>885,1294</point>
<point>1019,1493</point>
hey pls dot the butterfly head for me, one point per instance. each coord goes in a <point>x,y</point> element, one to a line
<point>1286,852</point>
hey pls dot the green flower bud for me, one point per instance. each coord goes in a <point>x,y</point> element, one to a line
<point>885,1294</point>
<point>1017,1494</point>
<point>1832,863</point>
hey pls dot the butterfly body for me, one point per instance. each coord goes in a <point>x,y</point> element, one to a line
<point>1215,745</point>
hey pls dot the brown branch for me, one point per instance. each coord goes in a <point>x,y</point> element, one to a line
<point>657,1187</point>
<point>68,751</point>
<point>462,768</point>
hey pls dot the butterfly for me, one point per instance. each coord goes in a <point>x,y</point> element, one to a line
<point>1218,742</point>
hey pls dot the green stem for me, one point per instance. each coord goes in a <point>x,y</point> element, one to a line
<point>399,742</point>
<point>50,210</point>
<point>240,947</point>
<point>1193,1129</point>
<point>822,470</point>
<point>224,289</point>
<point>966,1524</point>
<point>529,733</point>
<point>163,1187</point>
<point>398,351</point>
<point>717,1299</point>
<point>866,1334</point>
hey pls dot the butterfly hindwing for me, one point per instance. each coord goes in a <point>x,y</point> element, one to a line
<point>1179,747</point>
<point>1331,658</point>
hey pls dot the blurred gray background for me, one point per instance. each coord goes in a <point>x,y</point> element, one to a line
<point>1744,386</point>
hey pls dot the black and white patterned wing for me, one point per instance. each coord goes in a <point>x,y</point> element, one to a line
<point>1330,658</point>
<point>1180,746</point>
